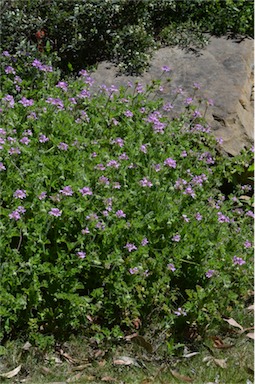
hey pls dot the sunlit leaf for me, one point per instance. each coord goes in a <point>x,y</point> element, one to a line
<point>186,379</point>
<point>233,323</point>
<point>10,374</point>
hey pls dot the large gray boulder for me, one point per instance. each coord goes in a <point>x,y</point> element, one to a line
<point>224,69</point>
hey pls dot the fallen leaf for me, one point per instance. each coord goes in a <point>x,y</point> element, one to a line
<point>130,337</point>
<point>125,360</point>
<point>218,343</point>
<point>186,379</point>
<point>137,323</point>
<point>146,381</point>
<point>108,378</point>
<point>188,355</point>
<point>74,378</point>
<point>244,197</point>
<point>81,367</point>
<point>251,308</point>
<point>221,362</point>
<point>10,374</point>
<point>26,346</point>
<point>140,340</point>
<point>101,363</point>
<point>233,323</point>
<point>46,370</point>
<point>99,353</point>
<point>67,357</point>
<point>250,335</point>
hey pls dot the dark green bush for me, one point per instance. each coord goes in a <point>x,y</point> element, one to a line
<point>85,32</point>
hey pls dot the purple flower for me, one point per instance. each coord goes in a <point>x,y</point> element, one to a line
<point>42,195</point>
<point>15,215</point>
<point>170,163</point>
<point>85,191</point>
<point>67,191</point>
<point>55,212</point>
<point>118,141</point>
<point>120,214</point>
<point>14,151</point>
<point>171,267</point>
<point>123,156</point>
<point>176,238</point>
<point>180,312</point>
<point>184,154</point>
<point>188,101</point>
<point>196,114</point>
<point>2,132</point>
<point>196,86</point>
<point>25,140</point>
<point>113,164</point>
<point>165,68</point>
<point>130,247</point>
<point>100,225</point>
<point>145,182</point>
<point>104,180</point>
<point>167,107</point>
<point>189,191</point>
<point>198,216</point>
<point>85,231</point>
<point>250,214</point>
<point>143,148</point>
<point>139,88</point>
<point>100,167</point>
<point>2,166</point>
<point>83,72</point>
<point>6,54</point>
<point>210,102</point>
<point>20,194</point>
<point>116,185</point>
<point>63,85</point>
<point>58,102</point>
<point>144,241</point>
<point>247,244</point>
<point>27,132</point>
<point>210,273</point>
<point>219,140</point>
<point>43,139</point>
<point>238,260</point>
<point>157,167</point>
<point>63,146</point>
<point>21,209</point>
<point>133,271</point>
<point>26,102</point>
<point>84,94</point>
<point>128,114</point>
<point>10,100</point>
<point>81,255</point>
<point>32,115</point>
<point>222,218</point>
<point>185,218</point>
<point>10,69</point>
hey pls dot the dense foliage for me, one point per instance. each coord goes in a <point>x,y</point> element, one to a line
<point>112,212</point>
<point>126,31</point>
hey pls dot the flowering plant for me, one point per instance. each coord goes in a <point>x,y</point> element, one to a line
<point>123,213</point>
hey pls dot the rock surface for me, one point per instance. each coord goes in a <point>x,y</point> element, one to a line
<point>224,69</point>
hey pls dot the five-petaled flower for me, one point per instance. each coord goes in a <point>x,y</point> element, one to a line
<point>55,212</point>
<point>130,247</point>
<point>20,194</point>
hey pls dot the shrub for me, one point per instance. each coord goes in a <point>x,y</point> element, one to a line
<point>113,212</point>
<point>84,33</point>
